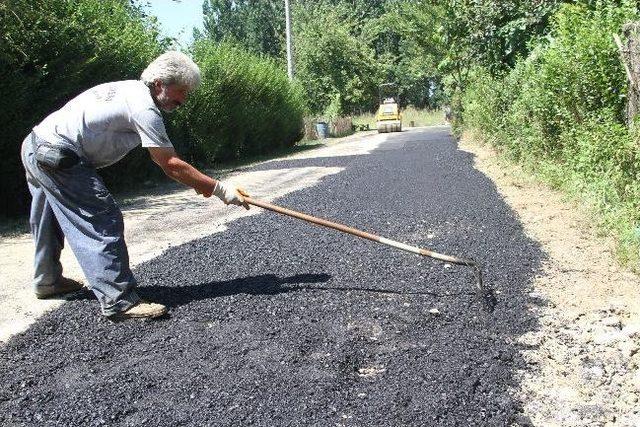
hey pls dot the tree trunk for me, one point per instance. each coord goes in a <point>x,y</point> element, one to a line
<point>630,52</point>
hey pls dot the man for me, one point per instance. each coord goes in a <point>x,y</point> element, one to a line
<point>60,157</point>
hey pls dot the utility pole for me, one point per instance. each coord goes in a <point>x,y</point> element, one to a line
<point>287,13</point>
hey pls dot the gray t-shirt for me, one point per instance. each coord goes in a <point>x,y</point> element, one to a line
<point>106,122</point>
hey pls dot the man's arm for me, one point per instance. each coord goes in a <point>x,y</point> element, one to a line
<point>181,171</point>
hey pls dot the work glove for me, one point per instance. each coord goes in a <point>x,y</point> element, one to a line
<point>230,194</point>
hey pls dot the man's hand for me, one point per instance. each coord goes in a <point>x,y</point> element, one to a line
<point>229,194</point>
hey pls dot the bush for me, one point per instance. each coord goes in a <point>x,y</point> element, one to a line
<point>560,111</point>
<point>579,76</point>
<point>51,51</point>
<point>245,106</point>
<point>484,105</point>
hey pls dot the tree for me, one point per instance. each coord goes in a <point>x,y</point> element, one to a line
<point>335,67</point>
<point>257,25</point>
<point>500,32</point>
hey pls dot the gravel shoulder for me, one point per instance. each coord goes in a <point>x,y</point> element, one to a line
<point>583,362</point>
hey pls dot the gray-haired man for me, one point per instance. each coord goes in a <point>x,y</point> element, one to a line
<point>96,129</point>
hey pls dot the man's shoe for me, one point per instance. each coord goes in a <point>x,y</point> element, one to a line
<point>142,310</point>
<point>60,288</point>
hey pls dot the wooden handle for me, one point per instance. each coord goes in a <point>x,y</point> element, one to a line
<point>359,233</point>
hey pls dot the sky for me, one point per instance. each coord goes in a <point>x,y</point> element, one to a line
<point>176,18</point>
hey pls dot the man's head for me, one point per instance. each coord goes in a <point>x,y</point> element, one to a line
<point>170,77</point>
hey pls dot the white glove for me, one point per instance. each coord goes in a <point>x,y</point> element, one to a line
<point>229,194</point>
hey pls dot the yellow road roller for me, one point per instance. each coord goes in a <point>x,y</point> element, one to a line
<point>389,118</point>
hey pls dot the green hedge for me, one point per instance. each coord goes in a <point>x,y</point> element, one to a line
<point>560,112</point>
<point>49,52</point>
<point>245,106</point>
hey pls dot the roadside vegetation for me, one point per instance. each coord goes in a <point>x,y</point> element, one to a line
<point>560,112</point>
<point>246,105</point>
<point>50,51</point>
<point>541,81</point>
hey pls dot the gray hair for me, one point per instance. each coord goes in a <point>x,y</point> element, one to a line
<point>172,67</point>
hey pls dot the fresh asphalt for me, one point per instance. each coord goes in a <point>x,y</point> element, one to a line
<point>277,322</point>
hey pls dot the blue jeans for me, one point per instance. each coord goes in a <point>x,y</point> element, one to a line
<point>74,203</point>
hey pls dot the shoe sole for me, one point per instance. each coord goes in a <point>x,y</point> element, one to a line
<point>124,316</point>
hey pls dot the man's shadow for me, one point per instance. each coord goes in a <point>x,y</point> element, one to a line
<point>265,284</point>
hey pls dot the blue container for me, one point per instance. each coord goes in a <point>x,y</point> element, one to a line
<point>322,129</point>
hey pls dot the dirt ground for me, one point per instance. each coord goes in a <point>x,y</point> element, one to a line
<point>583,364</point>
<point>584,361</point>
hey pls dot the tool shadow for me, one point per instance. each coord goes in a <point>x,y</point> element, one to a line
<point>264,284</point>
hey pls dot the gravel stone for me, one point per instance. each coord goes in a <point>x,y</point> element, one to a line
<point>632,330</point>
<point>613,321</point>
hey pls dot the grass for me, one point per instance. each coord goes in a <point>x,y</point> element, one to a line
<point>613,216</point>
<point>409,114</point>
<point>422,117</point>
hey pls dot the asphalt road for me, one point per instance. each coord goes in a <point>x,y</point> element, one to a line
<point>279,322</point>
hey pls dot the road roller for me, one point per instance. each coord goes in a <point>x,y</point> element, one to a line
<point>389,118</point>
